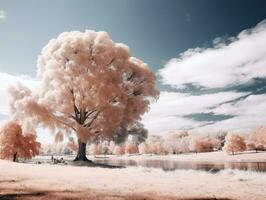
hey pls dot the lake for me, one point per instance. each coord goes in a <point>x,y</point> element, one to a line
<point>164,164</point>
<point>170,165</point>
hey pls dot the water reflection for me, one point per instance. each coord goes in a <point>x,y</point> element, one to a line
<point>170,165</point>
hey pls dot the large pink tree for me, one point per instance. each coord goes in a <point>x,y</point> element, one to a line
<point>88,85</point>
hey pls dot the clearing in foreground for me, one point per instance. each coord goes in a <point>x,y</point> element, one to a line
<point>32,181</point>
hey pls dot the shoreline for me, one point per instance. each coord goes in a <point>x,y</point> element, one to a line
<point>217,156</point>
<point>208,157</point>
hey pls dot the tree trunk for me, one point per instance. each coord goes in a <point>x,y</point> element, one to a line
<point>15,157</point>
<point>81,156</point>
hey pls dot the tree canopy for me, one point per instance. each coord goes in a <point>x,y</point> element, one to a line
<point>14,143</point>
<point>88,84</point>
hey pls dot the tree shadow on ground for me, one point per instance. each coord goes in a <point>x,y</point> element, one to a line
<point>88,195</point>
<point>93,164</point>
<point>10,181</point>
<point>13,196</point>
<point>247,152</point>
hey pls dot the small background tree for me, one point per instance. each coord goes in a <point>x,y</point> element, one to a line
<point>14,144</point>
<point>131,147</point>
<point>204,144</point>
<point>119,150</point>
<point>234,143</point>
<point>257,140</point>
<point>143,148</point>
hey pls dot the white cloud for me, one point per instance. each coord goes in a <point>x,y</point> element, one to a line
<point>230,62</point>
<point>250,113</point>
<point>161,125</point>
<point>243,59</point>
<point>166,114</point>
<point>252,105</point>
<point>2,15</point>
<point>240,123</point>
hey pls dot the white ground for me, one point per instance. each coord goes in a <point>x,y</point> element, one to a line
<point>230,184</point>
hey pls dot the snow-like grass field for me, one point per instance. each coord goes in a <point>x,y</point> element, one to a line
<point>45,181</point>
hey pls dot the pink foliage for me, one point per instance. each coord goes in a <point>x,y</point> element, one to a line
<point>156,144</point>
<point>88,84</point>
<point>176,135</point>
<point>177,141</point>
<point>13,143</point>
<point>143,148</point>
<point>158,148</point>
<point>72,146</point>
<point>234,143</point>
<point>95,149</point>
<point>131,148</point>
<point>257,140</point>
<point>204,144</point>
<point>119,150</point>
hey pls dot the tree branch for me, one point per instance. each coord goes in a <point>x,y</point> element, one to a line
<point>77,112</point>
<point>92,120</point>
<point>87,114</point>
<point>131,76</point>
<point>109,64</point>
<point>62,121</point>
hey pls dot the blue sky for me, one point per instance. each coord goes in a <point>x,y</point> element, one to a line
<point>159,32</point>
<point>154,30</point>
